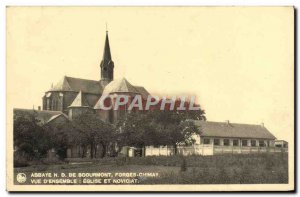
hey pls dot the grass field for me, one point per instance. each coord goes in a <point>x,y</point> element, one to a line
<point>218,169</point>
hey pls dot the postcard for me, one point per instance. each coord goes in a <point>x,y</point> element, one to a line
<point>150,98</point>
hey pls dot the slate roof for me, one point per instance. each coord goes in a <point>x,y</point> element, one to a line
<point>77,84</point>
<point>120,86</point>
<point>80,101</point>
<point>90,99</point>
<point>233,130</point>
<point>55,116</point>
<point>44,116</point>
<point>142,91</point>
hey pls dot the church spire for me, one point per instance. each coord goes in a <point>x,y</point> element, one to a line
<point>106,52</point>
<point>107,65</point>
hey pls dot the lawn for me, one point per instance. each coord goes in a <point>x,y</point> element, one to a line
<point>218,169</point>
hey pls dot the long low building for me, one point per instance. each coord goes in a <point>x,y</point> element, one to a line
<point>233,134</point>
<point>222,138</point>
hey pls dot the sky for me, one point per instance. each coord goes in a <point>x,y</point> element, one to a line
<point>238,61</point>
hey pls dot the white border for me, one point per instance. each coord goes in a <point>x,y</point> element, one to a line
<point>151,2</point>
<point>5,3</point>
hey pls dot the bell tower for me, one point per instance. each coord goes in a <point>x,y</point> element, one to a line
<point>106,65</point>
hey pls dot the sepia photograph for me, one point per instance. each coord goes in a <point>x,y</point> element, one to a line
<point>150,98</point>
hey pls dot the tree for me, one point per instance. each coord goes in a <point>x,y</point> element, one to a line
<point>137,129</point>
<point>95,131</point>
<point>193,114</point>
<point>63,135</point>
<point>175,128</point>
<point>30,138</point>
<point>155,127</point>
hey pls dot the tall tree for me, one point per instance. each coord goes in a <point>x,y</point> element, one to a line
<point>30,138</point>
<point>157,127</point>
<point>136,129</point>
<point>175,128</point>
<point>95,131</point>
<point>62,136</point>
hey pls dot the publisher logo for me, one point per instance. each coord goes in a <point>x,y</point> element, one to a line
<point>21,178</point>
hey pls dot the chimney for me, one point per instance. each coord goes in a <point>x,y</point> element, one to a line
<point>262,124</point>
<point>227,121</point>
<point>39,108</point>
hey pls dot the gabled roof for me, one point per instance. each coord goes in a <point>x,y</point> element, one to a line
<point>118,86</point>
<point>142,91</point>
<point>76,84</point>
<point>56,116</point>
<point>233,130</point>
<point>80,101</point>
<point>122,86</point>
<point>43,116</point>
<point>62,85</point>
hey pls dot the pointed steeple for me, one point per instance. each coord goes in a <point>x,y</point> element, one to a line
<point>107,65</point>
<point>106,52</point>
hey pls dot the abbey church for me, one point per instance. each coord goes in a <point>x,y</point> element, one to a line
<point>74,96</point>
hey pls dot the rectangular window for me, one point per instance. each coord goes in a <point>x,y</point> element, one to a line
<point>278,145</point>
<point>217,142</point>
<point>244,142</point>
<point>235,142</point>
<point>261,143</point>
<point>206,141</point>
<point>226,142</point>
<point>253,142</point>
